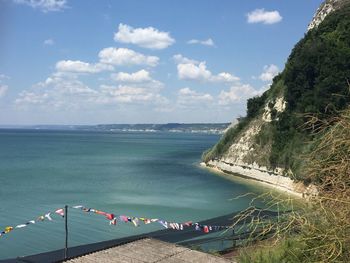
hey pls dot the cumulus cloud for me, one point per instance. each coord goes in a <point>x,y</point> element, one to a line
<point>269,72</point>
<point>64,91</point>
<point>225,77</point>
<point>44,5</point>
<point>49,42</point>
<point>262,16</point>
<point>140,78</point>
<point>188,69</point>
<point>128,94</point>
<point>208,42</point>
<point>3,76</point>
<point>3,90</point>
<point>187,96</point>
<point>148,37</point>
<point>237,93</point>
<point>59,91</point>
<point>77,66</point>
<point>136,77</point>
<point>180,59</point>
<point>125,56</point>
<point>3,87</point>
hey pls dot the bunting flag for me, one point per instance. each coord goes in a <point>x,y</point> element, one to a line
<point>136,221</point>
<point>48,216</point>
<point>60,212</point>
<point>113,220</point>
<point>21,226</point>
<point>39,219</point>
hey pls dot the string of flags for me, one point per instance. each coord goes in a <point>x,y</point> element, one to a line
<point>40,218</point>
<point>114,219</point>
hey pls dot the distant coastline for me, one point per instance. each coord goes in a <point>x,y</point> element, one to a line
<point>199,128</point>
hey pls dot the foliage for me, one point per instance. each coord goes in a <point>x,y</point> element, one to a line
<point>225,142</point>
<point>318,231</point>
<point>314,81</point>
<point>272,253</point>
<point>255,104</point>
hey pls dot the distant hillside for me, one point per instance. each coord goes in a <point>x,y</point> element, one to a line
<point>213,128</point>
<point>315,82</point>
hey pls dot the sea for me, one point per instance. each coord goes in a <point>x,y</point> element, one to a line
<point>140,174</point>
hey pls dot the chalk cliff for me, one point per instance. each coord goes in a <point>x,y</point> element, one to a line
<point>270,142</point>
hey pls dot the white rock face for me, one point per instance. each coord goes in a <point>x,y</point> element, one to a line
<point>239,151</point>
<point>325,9</point>
<point>241,148</point>
<point>279,105</point>
<point>261,174</point>
<point>235,159</point>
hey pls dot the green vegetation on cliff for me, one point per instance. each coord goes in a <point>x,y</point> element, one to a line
<point>319,231</point>
<point>314,82</point>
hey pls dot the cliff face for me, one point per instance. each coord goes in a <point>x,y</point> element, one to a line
<point>326,8</point>
<point>268,144</point>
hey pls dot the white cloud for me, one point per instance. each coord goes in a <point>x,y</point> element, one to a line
<point>186,97</point>
<point>180,59</point>
<point>3,87</point>
<point>193,70</point>
<point>136,77</point>
<point>64,91</point>
<point>225,77</point>
<point>3,90</point>
<point>148,37</point>
<point>140,78</point>
<point>3,76</point>
<point>237,93</point>
<point>28,97</point>
<point>60,91</point>
<point>77,66</point>
<point>128,94</point>
<point>269,72</point>
<point>262,16</point>
<point>49,42</point>
<point>208,42</point>
<point>190,71</point>
<point>44,5</point>
<point>125,56</point>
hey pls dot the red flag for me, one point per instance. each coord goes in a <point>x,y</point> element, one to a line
<point>109,216</point>
<point>206,229</point>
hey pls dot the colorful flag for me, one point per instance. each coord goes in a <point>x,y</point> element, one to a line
<point>60,212</point>
<point>163,223</point>
<point>109,216</point>
<point>135,221</point>
<point>113,221</point>
<point>8,229</point>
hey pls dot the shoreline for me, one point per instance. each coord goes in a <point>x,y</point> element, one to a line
<point>276,182</point>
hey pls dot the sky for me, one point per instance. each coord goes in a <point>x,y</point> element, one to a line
<point>156,61</point>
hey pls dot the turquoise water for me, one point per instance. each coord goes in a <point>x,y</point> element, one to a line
<point>139,174</point>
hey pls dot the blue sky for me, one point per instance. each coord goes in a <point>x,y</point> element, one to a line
<point>156,61</point>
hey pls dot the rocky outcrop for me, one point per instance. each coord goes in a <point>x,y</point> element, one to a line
<point>244,152</point>
<point>270,136</point>
<point>261,174</point>
<point>325,9</point>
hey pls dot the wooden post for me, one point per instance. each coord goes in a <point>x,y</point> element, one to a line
<point>66,227</point>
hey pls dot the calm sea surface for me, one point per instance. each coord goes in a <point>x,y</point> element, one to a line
<point>153,175</point>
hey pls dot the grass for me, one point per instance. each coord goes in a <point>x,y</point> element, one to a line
<point>319,230</point>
